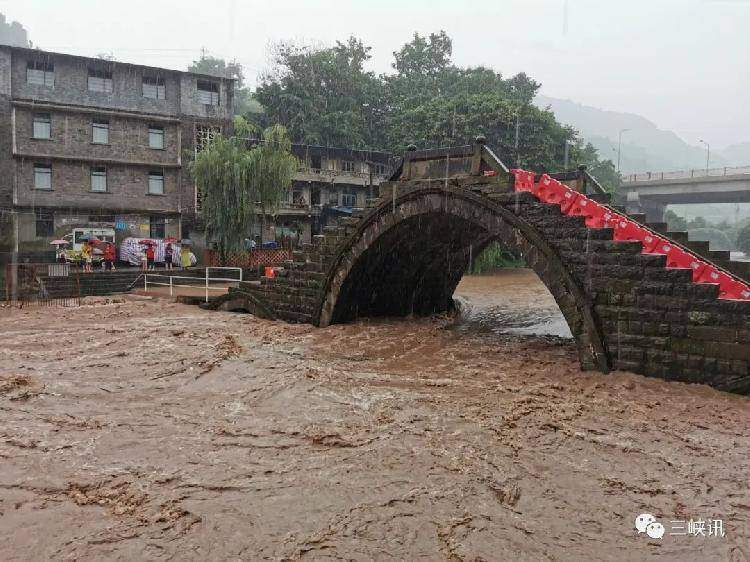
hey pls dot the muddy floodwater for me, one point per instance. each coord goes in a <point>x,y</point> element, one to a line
<point>511,301</point>
<point>135,429</point>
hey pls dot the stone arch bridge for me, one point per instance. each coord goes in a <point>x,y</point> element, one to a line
<point>406,252</point>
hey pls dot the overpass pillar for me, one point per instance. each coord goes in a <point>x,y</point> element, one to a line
<point>635,204</point>
<point>653,210</point>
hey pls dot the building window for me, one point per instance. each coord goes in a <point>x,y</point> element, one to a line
<point>153,87</point>
<point>380,169</point>
<point>100,132</point>
<point>349,197</point>
<point>347,165</point>
<point>156,137</point>
<point>157,229</point>
<point>42,176</point>
<point>42,127</point>
<point>333,197</point>
<point>208,92</point>
<point>298,197</point>
<point>40,73</point>
<point>98,179</point>
<point>45,224</point>
<point>156,183</point>
<point>100,80</point>
<point>315,163</point>
<point>203,136</point>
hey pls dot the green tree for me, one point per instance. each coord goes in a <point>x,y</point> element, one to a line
<point>274,171</point>
<point>675,222</point>
<point>743,240</point>
<point>236,181</point>
<point>717,239</point>
<point>325,96</point>
<point>216,66</point>
<point>322,96</point>
<point>493,257</point>
<point>424,56</point>
<point>697,222</point>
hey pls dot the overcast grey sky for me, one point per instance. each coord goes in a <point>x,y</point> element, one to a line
<point>684,64</point>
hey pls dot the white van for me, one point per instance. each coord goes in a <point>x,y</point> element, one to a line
<point>76,236</point>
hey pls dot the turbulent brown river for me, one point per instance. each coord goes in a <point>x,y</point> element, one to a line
<point>139,429</point>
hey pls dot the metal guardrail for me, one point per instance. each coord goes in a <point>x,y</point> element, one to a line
<point>207,280</point>
<point>686,174</point>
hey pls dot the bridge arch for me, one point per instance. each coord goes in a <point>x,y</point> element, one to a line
<point>408,254</point>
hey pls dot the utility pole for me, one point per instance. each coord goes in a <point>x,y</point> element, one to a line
<point>708,153</point>
<point>567,146</point>
<point>619,147</point>
<point>453,133</point>
<point>518,127</point>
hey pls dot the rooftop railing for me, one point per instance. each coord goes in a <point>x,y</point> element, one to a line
<point>330,174</point>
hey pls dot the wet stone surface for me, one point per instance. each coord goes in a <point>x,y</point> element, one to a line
<point>139,429</point>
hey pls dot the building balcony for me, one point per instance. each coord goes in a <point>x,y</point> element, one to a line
<point>299,209</point>
<point>305,173</point>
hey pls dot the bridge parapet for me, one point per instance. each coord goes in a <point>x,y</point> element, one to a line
<point>686,174</point>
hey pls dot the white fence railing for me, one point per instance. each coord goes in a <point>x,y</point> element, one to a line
<point>685,174</point>
<point>205,281</point>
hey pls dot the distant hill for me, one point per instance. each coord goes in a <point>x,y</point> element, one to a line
<point>645,147</point>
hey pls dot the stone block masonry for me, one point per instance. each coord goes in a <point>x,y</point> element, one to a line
<point>407,252</point>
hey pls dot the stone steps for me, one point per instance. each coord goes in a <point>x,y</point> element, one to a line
<point>702,249</point>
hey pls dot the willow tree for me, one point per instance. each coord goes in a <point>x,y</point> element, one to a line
<point>236,182</point>
<point>276,167</point>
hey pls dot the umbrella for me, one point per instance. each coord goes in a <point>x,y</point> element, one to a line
<point>85,237</point>
<point>147,242</point>
<point>186,242</point>
<point>59,242</point>
<point>170,240</point>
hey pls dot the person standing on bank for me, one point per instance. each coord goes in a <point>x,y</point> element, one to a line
<point>150,256</point>
<point>86,257</point>
<point>185,257</point>
<point>168,255</point>
<point>109,257</point>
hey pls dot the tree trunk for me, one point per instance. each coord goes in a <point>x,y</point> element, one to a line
<point>262,224</point>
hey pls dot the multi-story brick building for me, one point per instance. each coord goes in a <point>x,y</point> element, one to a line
<point>329,182</point>
<point>90,142</point>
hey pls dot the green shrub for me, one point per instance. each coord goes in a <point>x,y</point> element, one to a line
<point>495,256</point>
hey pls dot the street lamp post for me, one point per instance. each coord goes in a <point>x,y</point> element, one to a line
<point>619,147</point>
<point>708,153</point>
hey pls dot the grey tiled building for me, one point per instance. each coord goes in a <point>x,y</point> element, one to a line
<point>94,143</point>
<point>329,183</point>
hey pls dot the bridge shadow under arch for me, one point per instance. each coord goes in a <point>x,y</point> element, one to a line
<point>408,255</point>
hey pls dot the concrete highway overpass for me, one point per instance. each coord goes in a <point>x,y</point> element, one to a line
<point>651,192</point>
